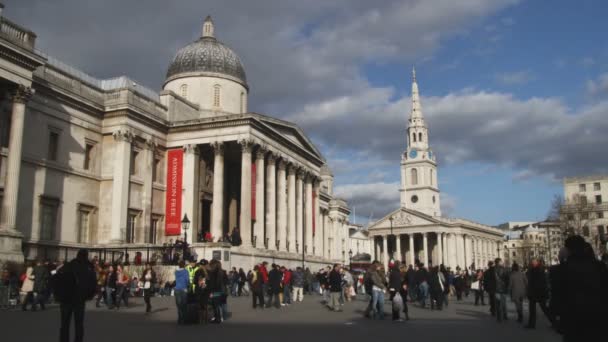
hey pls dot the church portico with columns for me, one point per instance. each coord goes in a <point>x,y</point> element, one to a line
<point>417,233</point>
<point>109,163</point>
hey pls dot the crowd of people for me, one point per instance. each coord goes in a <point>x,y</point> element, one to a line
<point>571,294</point>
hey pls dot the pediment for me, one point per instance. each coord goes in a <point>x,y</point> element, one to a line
<point>403,218</point>
<point>291,132</point>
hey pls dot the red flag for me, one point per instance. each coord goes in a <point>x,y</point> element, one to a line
<point>173,203</point>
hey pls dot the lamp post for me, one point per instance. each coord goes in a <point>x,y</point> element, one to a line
<point>185,226</point>
<point>392,237</point>
<point>350,259</point>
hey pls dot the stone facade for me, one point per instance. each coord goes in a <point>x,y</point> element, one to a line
<point>416,232</point>
<point>85,164</point>
<point>525,241</point>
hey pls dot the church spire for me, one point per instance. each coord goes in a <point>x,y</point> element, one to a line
<point>208,29</point>
<point>416,107</point>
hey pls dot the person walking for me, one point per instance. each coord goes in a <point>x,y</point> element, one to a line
<point>298,280</point>
<point>489,283</point>
<point>217,289</point>
<point>395,283</point>
<point>110,285</point>
<point>180,291</point>
<point>149,279</point>
<point>27,288</point>
<point>411,280</point>
<point>478,287</point>
<point>41,286</point>
<point>74,284</point>
<point>518,284</point>
<point>378,289</point>
<point>335,288</point>
<point>122,287</point>
<point>437,285</point>
<point>257,287</point>
<point>274,286</point>
<point>286,282</point>
<point>502,288</point>
<point>538,293</point>
<point>422,277</point>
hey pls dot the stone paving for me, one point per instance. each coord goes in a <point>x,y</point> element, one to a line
<point>306,321</point>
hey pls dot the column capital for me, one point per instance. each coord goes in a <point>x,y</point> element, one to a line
<point>261,152</point>
<point>300,172</point>
<point>272,158</point>
<point>246,145</point>
<point>291,169</point>
<point>218,147</point>
<point>282,164</point>
<point>22,94</point>
<point>150,144</point>
<point>123,135</point>
<point>191,149</point>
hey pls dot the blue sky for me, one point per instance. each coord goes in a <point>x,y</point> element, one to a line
<point>515,92</point>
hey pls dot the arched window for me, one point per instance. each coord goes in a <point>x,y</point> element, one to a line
<point>414,177</point>
<point>243,103</point>
<point>216,95</point>
<point>420,137</point>
<point>183,91</point>
<point>414,136</point>
<point>431,176</point>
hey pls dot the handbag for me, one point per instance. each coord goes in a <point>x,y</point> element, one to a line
<point>475,285</point>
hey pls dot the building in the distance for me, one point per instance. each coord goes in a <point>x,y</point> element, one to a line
<point>585,209</point>
<point>417,232</point>
<point>102,164</point>
<point>532,240</point>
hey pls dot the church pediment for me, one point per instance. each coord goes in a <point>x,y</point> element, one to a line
<point>403,218</point>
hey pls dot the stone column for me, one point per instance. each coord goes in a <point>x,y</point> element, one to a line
<point>146,196</point>
<point>398,247</point>
<point>191,192</point>
<point>8,221</point>
<point>282,205</point>
<point>120,184</point>
<point>291,200</point>
<point>412,252</point>
<point>460,246</point>
<point>425,246</point>
<point>439,249</point>
<point>385,251</point>
<point>300,210</point>
<point>259,198</point>
<point>245,219</point>
<point>217,206</point>
<point>326,234</point>
<point>271,203</point>
<point>308,212</point>
<point>318,232</point>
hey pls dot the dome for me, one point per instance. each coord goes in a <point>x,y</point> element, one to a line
<point>207,57</point>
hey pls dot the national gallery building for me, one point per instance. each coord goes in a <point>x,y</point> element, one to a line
<point>108,163</point>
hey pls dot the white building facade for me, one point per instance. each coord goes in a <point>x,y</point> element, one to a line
<point>110,164</point>
<point>416,232</point>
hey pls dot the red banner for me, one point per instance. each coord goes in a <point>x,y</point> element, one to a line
<point>253,177</point>
<point>173,203</point>
<point>314,210</point>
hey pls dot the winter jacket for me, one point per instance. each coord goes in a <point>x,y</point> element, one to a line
<point>502,279</point>
<point>274,281</point>
<point>335,281</point>
<point>537,284</point>
<point>489,280</point>
<point>75,282</point>
<point>377,280</point>
<point>518,284</point>
<point>298,279</point>
<point>41,278</point>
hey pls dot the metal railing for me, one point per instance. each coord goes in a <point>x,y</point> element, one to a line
<point>136,255</point>
<point>17,34</point>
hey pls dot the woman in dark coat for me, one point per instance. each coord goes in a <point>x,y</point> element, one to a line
<point>216,287</point>
<point>517,285</point>
<point>436,288</point>
<point>149,280</point>
<point>395,279</point>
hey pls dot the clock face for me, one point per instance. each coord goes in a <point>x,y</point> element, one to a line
<point>413,153</point>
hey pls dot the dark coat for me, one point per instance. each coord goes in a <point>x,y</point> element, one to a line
<point>502,279</point>
<point>41,278</point>
<point>489,280</point>
<point>518,285</point>
<point>274,281</point>
<point>335,281</point>
<point>394,279</point>
<point>298,279</point>
<point>422,275</point>
<point>435,285</point>
<point>75,282</point>
<point>537,284</point>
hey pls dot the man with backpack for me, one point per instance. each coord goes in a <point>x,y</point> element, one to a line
<point>74,284</point>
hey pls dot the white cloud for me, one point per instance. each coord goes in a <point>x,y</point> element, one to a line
<point>514,78</point>
<point>598,87</point>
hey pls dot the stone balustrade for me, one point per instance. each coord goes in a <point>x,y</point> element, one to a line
<point>17,34</point>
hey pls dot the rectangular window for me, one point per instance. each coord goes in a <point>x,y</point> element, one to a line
<point>600,214</point>
<point>48,218</point>
<point>88,156</point>
<point>156,170</point>
<point>152,235</point>
<point>570,217</point>
<point>597,187</point>
<point>83,231</point>
<point>583,200</point>
<point>598,199</point>
<point>53,145</point>
<point>584,216</point>
<point>582,187</point>
<point>134,162</point>
<point>131,219</point>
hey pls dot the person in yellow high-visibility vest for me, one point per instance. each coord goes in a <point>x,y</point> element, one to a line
<point>192,268</point>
